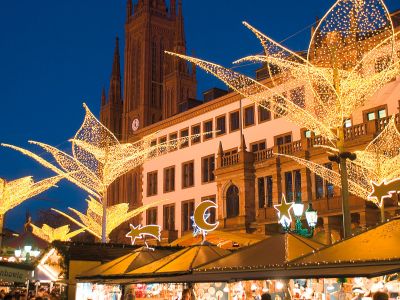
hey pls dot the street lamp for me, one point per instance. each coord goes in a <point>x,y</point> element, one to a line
<point>285,218</point>
<point>26,254</point>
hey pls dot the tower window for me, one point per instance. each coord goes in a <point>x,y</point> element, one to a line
<point>232,202</point>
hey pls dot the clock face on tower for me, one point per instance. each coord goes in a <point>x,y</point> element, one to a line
<point>135,124</point>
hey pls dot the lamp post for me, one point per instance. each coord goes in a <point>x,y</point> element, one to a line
<point>26,254</point>
<point>285,219</point>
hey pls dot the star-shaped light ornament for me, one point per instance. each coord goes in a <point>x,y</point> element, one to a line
<point>141,232</point>
<point>284,217</point>
<point>196,229</point>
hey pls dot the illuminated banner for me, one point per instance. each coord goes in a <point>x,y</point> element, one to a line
<point>9,274</point>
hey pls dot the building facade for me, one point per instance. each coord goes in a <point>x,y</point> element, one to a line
<point>234,163</point>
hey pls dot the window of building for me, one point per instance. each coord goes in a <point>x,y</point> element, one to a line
<point>173,141</point>
<point>280,105</point>
<point>169,179</point>
<point>283,139</point>
<point>185,134</point>
<point>258,146</point>
<point>375,113</point>
<point>196,131</point>
<point>207,129</point>
<point>382,63</point>
<point>230,152</point>
<point>162,141</point>
<point>151,216</point>
<point>188,174</point>
<point>263,112</point>
<point>232,202</point>
<point>221,125</point>
<point>152,183</point>
<point>212,211</point>
<point>169,217</point>
<point>265,192</point>
<point>249,116</point>
<point>293,185</point>
<point>319,187</point>
<point>307,133</point>
<point>207,168</point>
<point>329,186</point>
<point>234,121</point>
<point>298,96</point>
<point>187,212</point>
<point>347,123</point>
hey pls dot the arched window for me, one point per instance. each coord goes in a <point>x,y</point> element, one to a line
<point>232,202</point>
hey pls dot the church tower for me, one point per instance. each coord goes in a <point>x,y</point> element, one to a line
<point>154,84</point>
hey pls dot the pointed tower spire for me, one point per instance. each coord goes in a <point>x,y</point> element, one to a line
<point>103,97</point>
<point>173,9</point>
<point>128,9</point>
<point>114,93</point>
<point>180,43</point>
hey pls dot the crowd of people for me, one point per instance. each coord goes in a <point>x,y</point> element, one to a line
<point>20,294</point>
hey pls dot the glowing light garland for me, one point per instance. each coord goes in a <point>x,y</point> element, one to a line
<point>13,193</point>
<point>116,215</point>
<point>351,56</point>
<point>378,162</point>
<point>50,234</point>
<point>98,158</point>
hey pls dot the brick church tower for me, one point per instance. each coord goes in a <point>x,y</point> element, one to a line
<point>155,84</point>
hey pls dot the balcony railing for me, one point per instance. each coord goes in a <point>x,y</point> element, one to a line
<point>230,160</point>
<point>290,148</point>
<point>355,131</point>
<point>263,155</point>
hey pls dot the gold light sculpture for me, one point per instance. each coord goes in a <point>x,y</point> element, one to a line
<point>379,162</point>
<point>50,234</point>
<point>352,54</point>
<point>98,158</point>
<point>13,193</point>
<point>92,220</point>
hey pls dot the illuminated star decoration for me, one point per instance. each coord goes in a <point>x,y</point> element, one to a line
<point>98,158</point>
<point>50,234</point>
<point>196,229</point>
<point>352,54</point>
<point>13,193</point>
<point>284,217</point>
<point>116,215</point>
<point>385,189</point>
<point>141,232</point>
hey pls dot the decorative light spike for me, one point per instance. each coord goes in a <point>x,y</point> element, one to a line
<point>15,192</point>
<point>352,54</point>
<point>116,215</point>
<point>379,163</point>
<point>98,158</point>
<point>51,234</point>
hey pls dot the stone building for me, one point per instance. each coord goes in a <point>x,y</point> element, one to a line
<point>233,165</point>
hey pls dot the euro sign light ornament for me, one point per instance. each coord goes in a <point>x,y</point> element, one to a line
<point>200,219</point>
<point>142,232</point>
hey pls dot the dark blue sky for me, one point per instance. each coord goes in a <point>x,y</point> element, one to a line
<point>54,55</point>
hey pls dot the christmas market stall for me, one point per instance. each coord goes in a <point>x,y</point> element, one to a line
<point>92,281</point>
<point>15,274</point>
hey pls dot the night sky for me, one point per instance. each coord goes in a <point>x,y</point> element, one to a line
<point>55,55</point>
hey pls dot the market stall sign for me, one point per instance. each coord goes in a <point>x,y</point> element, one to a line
<point>13,274</point>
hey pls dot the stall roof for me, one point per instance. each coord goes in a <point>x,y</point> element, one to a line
<point>182,261</point>
<point>380,243</point>
<point>126,263</point>
<point>223,239</point>
<point>275,251</point>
